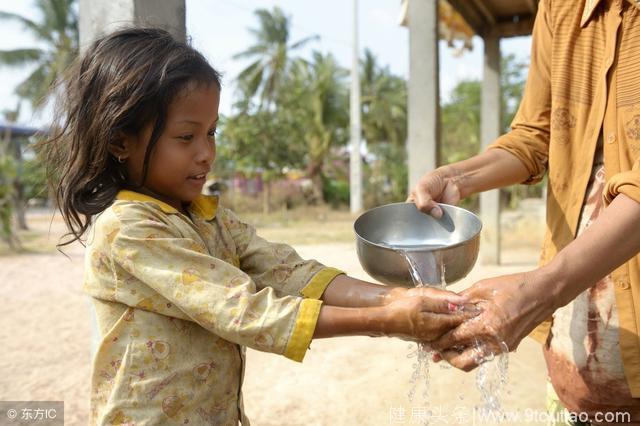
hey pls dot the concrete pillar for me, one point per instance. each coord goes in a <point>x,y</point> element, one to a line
<point>424,96</point>
<point>489,130</point>
<point>98,17</point>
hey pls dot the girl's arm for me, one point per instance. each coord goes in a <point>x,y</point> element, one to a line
<point>424,316</point>
<point>349,292</point>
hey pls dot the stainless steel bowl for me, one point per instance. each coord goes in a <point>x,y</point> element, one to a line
<point>446,247</point>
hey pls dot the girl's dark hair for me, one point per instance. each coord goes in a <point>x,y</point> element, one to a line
<point>122,83</point>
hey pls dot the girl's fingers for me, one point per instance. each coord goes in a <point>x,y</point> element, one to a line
<point>439,295</point>
<point>441,305</point>
<point>442,322</point>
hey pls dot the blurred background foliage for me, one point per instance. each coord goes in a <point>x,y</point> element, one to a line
<point>285,142</point>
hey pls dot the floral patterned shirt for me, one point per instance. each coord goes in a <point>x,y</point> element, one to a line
<point>177,299</point>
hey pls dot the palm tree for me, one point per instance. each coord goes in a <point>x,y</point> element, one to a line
<point>384,103</point>
<point>269,56</point>
<point>384,128</point>
<point>57,32</point>
<point>319,88</point>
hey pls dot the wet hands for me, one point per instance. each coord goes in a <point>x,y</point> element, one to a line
<point>510,307</point>
<point>423,314</point>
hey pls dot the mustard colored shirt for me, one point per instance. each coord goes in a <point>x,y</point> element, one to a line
<point>177,299</point>
<point>584,80</point>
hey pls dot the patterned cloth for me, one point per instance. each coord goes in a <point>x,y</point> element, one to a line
<point>177,299</point>
<point>583,350</point>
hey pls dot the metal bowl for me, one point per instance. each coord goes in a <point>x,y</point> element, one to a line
<point>391,237</point>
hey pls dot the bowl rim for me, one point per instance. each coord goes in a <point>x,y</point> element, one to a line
<point>422,247</point>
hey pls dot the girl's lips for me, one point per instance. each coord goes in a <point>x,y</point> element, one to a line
<point>197,181</point>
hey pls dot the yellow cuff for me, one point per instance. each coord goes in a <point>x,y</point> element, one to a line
<point>318,284</point>
<point>303,329</point>
<point>541,332</point>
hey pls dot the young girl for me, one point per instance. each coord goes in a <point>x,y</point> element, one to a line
<point>180,285</point>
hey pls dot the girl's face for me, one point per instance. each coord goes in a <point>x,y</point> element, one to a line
<point>183,155</point>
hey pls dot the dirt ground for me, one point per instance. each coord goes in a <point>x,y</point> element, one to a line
<point>45,334</point>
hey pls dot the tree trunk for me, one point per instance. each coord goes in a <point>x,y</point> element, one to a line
<point>266,197</point>
<point>20,203</point>
<point>314,172</point>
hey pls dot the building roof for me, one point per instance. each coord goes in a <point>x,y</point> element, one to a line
<point>502,18</point>
<point>17,130</point>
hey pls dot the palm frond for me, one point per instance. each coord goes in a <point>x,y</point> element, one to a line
<point>301,43</point>
<point>20,57</point>
<point>30,25</point>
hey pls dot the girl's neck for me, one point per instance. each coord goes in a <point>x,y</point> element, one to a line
<point>180,206</point>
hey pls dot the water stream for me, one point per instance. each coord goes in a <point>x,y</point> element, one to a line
<point>428,269</point>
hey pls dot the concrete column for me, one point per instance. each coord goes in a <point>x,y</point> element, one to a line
<point>489,131</point>
<point>98,17</point>
<point>424,96</point>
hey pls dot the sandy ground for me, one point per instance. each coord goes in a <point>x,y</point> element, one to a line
<point>45,339</point>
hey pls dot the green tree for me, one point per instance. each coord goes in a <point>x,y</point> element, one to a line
<point>384,103</point>
<point>384,127</point>
<point>461,121</point>
<point>263,142</point>
<point>56,32</point>
<point>269,57</point>
<point>8,175</point>
<point>318,90</point>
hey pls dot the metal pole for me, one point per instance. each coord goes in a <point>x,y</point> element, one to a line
<point>355,178</point>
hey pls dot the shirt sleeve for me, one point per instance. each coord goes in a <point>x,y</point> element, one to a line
<point>627,183</point>
<point>276,265</point>
<point>211,292</point>
<point>529,137</point>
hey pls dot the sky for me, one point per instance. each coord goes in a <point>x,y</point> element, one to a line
<point>220,29</point>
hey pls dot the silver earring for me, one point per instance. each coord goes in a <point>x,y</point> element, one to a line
<point>120,160</point>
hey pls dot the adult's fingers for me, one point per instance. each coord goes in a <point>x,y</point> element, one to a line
<point>465,360</point>
<point>460,336</point>
<point>425,202</point>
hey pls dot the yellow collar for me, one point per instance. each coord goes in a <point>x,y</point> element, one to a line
<point>590,6</point>
<point>204,206</point>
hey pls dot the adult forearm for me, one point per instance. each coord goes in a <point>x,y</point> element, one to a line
<point>494,168</point>
<point>610,241</point>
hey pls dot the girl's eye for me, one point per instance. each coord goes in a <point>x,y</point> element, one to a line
<point>186,138</point>
<point>212,133</point>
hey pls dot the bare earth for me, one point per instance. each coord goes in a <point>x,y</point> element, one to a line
<point>45,335</point>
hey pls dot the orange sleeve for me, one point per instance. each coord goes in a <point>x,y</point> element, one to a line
<point>529,136</point>
<point>627,183</point>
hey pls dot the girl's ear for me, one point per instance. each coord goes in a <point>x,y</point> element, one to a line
<point>120,147</point>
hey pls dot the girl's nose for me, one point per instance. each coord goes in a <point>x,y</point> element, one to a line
<point>206,151</point>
